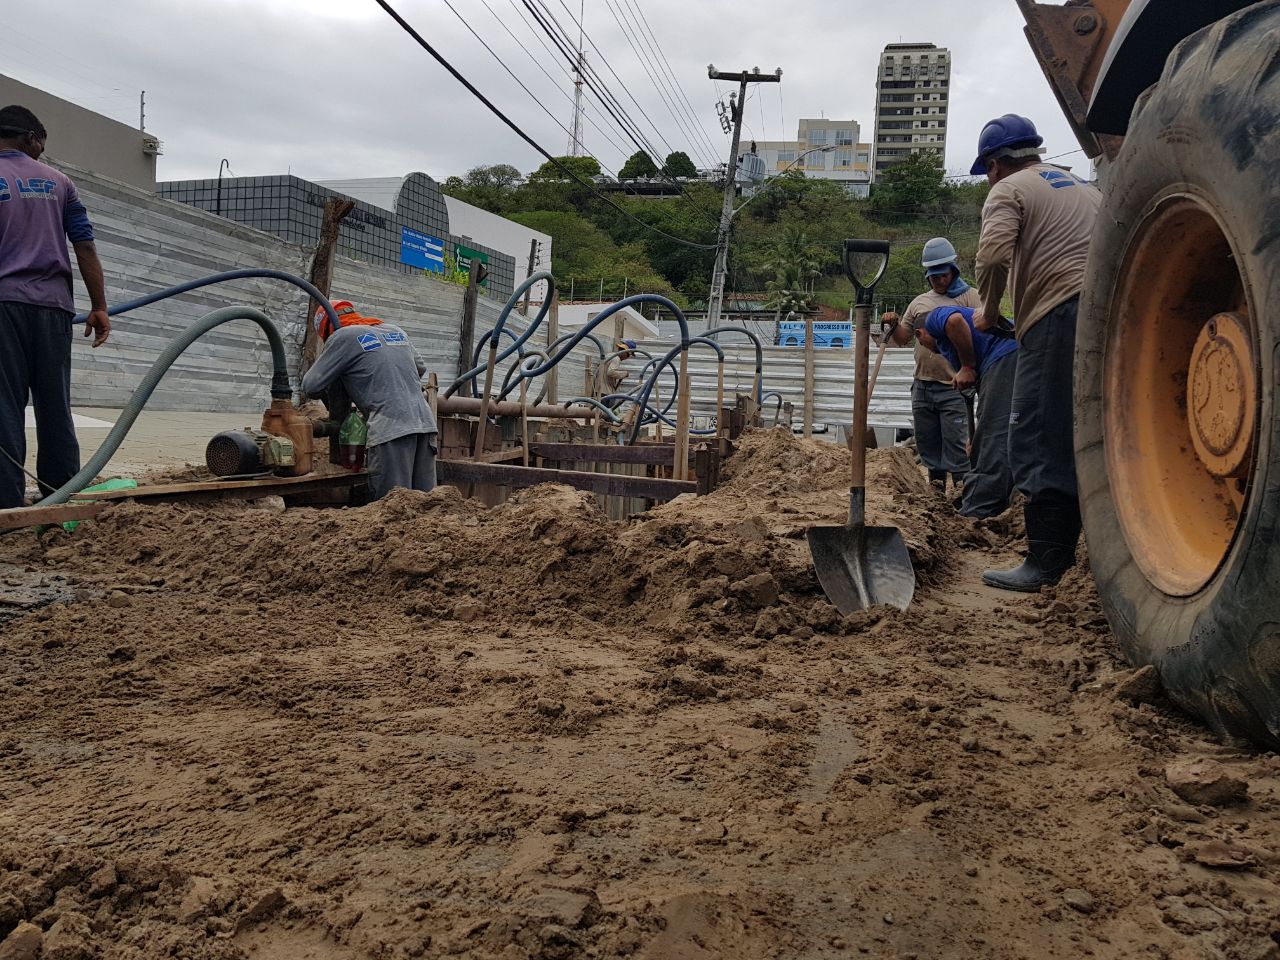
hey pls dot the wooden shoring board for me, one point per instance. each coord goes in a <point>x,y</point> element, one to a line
<point>604,452</point>
<point>608,484</point>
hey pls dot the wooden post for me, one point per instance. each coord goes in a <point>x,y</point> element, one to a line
<point>553,333</point>
<point>524,415</point>
<point>682,420</point>
<point>808,375</point>
<point>719,396</point>
<point>335,211</point>
<point>467,334</point>
<point>533,256</point>
<point>484,397</point>
<point>433,397</point>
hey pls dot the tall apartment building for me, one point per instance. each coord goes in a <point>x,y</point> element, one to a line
<point>913,91</point>
<point>847,163</point>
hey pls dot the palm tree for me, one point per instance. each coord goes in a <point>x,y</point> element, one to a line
<point>794,267</point>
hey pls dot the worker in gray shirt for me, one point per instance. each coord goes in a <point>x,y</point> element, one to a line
<point>382,373</point>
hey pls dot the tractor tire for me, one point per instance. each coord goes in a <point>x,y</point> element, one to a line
<point>1177,429</point>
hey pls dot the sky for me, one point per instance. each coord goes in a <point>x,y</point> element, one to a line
<point>334,88</point>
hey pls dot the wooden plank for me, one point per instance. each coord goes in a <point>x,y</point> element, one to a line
<point>457,472</point>
<point>262,487</point>
<point>16,518</point>
<point>604,452</point>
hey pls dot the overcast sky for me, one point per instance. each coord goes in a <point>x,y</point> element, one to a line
<point>334,88</point>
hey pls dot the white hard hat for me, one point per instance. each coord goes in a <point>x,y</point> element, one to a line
<point>938,252</point>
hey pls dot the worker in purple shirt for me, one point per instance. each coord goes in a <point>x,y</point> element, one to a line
<point>983,361</point>
<point>40,212</point>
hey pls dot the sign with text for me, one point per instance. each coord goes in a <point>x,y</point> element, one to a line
<point>465,256</point>
<point>827,335</point>
<point>421,250</point>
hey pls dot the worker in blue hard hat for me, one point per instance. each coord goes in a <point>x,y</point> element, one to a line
<point>1036,226</point>
<point>939,414</point>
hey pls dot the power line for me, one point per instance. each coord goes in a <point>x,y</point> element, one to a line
<point>471,88</point>
<point>625,89</point>
<point>664,94</point>
<point>691,112</point>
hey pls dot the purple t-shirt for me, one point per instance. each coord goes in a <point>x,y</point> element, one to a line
<point>39,212</point>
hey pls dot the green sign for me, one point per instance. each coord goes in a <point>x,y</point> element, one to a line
<point>465,256</point>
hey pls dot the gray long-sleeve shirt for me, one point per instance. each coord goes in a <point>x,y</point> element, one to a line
<point>382,373</point>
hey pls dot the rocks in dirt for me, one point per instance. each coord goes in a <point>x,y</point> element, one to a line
<point>118,598</point>
<point>25,942</point>
<point>756,591</point>
<point>1204,781</point>
<point>565,907</point>
<point>266,905</point>
<point>271,504</point>
<point>1139,686</point>
<point>103,880</point>
<point>1079,900</point>
<point>201,898</point>
<point>750,529</point>
<point>1220,855</point>
<point>70,938</point>
<point>466,611</point>
<point>773,621</point>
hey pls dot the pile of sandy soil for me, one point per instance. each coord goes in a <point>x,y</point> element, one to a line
<point>423,728</point>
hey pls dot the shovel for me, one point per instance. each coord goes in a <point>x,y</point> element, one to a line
<point>861,566</point>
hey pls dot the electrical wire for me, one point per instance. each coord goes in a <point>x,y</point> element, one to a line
<point>693,114</point>
<point>21,466</point>
<point>471,88</point>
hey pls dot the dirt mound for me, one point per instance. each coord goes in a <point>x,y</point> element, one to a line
<point>424,728</point>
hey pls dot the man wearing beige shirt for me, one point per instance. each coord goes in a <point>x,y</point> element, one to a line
<point>939,414</point>
<point>1036,227</point>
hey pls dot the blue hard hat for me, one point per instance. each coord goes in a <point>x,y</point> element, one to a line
<point>1010,130</point>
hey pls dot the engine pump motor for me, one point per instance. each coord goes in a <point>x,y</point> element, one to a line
<point>235,453</point>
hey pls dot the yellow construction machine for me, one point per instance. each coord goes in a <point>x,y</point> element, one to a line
<point>1177,432</point>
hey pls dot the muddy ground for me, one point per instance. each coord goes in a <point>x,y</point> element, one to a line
<point>424,729</point>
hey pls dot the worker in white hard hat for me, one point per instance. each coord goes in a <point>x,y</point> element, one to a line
<point>1037,223</point>
<point>382,374</point>
<point>939,413</point>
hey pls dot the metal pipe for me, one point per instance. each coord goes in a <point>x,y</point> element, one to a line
<point>470,407</point>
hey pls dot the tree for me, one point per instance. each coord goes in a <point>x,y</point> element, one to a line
<point>795,267</point>
<point>584,167</point>
<point>499,176</point>
<point>639,164</point>
<point>678,164</point>
<point>911,188</point>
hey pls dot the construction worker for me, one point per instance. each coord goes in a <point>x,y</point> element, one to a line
<point>939,414</point>
<point>382,374</point>
<point>1036,226</point>
<point>40,213</point>
<point>624,350</point>
<point>987,363</point>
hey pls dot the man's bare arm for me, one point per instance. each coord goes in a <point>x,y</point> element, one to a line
<point>91,273</point>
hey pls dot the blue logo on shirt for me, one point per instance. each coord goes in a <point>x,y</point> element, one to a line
<point>1059,179</point>
<point>36,188</point>
<point>393,336</point>
<point>368,341</point>
<point>4,190</point>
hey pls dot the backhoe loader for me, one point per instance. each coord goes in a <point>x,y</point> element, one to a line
<point>1177,430</point>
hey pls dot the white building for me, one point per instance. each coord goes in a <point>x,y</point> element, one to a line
<point>847,163</point>
<point>913,92</point>
<point>466,222</point>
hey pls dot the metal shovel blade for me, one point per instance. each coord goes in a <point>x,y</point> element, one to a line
<point>861,567</point>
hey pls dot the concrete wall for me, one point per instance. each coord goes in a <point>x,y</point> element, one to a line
<point>87,139</point>
<point>147,243</point>
<point>467,221</point>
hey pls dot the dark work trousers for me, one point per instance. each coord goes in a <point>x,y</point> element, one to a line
<point>35,364</point>
<point>988,485</point>
<point>941,422</point>
<point>408,461</point>
<point>1041,452</point>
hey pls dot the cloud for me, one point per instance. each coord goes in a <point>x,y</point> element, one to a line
<point>334,88</point>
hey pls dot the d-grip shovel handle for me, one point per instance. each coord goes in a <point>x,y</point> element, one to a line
<point>861,400</point>
<point>861,284</point>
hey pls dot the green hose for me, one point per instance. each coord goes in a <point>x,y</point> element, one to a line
<point>280,389</point>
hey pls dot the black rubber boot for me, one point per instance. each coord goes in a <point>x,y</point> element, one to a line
<point>1052,532</point>
<point>938,480</point>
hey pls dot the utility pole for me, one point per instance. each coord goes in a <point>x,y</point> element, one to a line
<point>575,136</point>
<point>716,301</point>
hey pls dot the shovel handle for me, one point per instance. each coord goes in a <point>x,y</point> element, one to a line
<point>861,360</point>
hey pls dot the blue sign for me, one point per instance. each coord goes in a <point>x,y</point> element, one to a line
<point>421,251</point>
<point>827,335</point>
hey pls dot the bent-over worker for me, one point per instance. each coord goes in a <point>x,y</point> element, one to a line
<point>987,363</point>
<point>1036,226</point>
<point>939,414</point>
<point>614,374</point>
<point>382,374</point>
